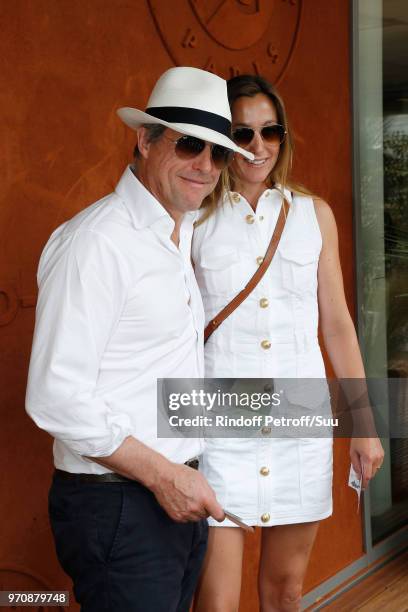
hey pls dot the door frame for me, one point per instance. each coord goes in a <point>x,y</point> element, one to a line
<point>374,556</point>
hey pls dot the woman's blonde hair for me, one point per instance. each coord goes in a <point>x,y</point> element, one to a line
<point>250,85</point>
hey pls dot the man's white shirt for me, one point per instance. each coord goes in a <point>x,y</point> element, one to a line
<point>118,307</point>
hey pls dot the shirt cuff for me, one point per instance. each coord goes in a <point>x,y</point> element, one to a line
<point>106,443</point>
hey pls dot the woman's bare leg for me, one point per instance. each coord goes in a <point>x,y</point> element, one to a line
<point>285,555</point>
<point>220,583</point>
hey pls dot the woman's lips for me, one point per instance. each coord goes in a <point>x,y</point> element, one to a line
<point>257,162</point>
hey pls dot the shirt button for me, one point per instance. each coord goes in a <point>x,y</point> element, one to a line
<point>236,197</point>
<point>250,219</point>
<point>264,471</point>
<point>259,260</point>
<point>264,302</point>
<point>269,387</point>
<point>261,218</point>
<point>266,344</point>
<point>265,518</point>
<point>266,430</point>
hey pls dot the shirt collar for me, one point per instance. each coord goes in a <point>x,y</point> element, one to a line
<point>143,207</point>
<point>274,191</point>
<point>286,191</point>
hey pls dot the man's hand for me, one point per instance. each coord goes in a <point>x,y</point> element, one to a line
<point>185,495</point>
<point>366,455</point>
<point>182,492</point>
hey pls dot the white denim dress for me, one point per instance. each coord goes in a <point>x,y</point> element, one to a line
<point>273,334</point>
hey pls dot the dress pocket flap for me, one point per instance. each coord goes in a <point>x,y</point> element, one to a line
<point>219,260</point>
<point>299,256</point>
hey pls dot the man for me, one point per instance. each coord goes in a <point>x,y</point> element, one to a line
<point>118,308</point>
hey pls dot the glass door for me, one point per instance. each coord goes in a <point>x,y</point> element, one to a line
<point>381,190</point>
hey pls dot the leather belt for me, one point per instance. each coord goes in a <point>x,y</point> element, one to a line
<point>110,476</point>
<point>193,463</point>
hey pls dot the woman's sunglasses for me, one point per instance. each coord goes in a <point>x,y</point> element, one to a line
<point>188,147</point>
<point>272,134</point>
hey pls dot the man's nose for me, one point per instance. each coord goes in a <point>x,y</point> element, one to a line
<point>203,161</point>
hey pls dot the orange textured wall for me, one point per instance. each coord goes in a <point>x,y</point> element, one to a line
<point>65,67</point>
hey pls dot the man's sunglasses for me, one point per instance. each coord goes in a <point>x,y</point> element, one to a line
<point>188,147</point>
<point>272,134</point>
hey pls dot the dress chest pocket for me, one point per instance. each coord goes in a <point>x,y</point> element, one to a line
<point>218,271</point>
<point>299,268</point>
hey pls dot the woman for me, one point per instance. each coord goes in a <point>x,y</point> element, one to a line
<point>281,483</point>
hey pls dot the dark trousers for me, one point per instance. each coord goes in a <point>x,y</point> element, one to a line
<point>122,551</point>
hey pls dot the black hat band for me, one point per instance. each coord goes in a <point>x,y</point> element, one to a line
<point>180,114</point>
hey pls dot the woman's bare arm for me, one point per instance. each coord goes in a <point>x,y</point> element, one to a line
<point>339,334</point>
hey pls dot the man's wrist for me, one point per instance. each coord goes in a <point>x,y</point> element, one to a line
<point>160,470</point>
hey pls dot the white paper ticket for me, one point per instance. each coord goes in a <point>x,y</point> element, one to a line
<point>355,483</point>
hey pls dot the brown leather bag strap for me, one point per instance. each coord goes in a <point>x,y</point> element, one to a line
<point>254,280</point>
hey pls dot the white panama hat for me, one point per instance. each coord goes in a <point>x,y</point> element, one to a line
<point>190,101</point>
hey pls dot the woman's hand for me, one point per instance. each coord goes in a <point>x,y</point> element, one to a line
<point>367,455</point>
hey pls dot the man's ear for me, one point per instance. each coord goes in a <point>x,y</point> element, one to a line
<point>142,144</point>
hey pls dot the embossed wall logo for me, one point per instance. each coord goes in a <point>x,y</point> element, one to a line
<point>229,37</point>
<point>250,19</point>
